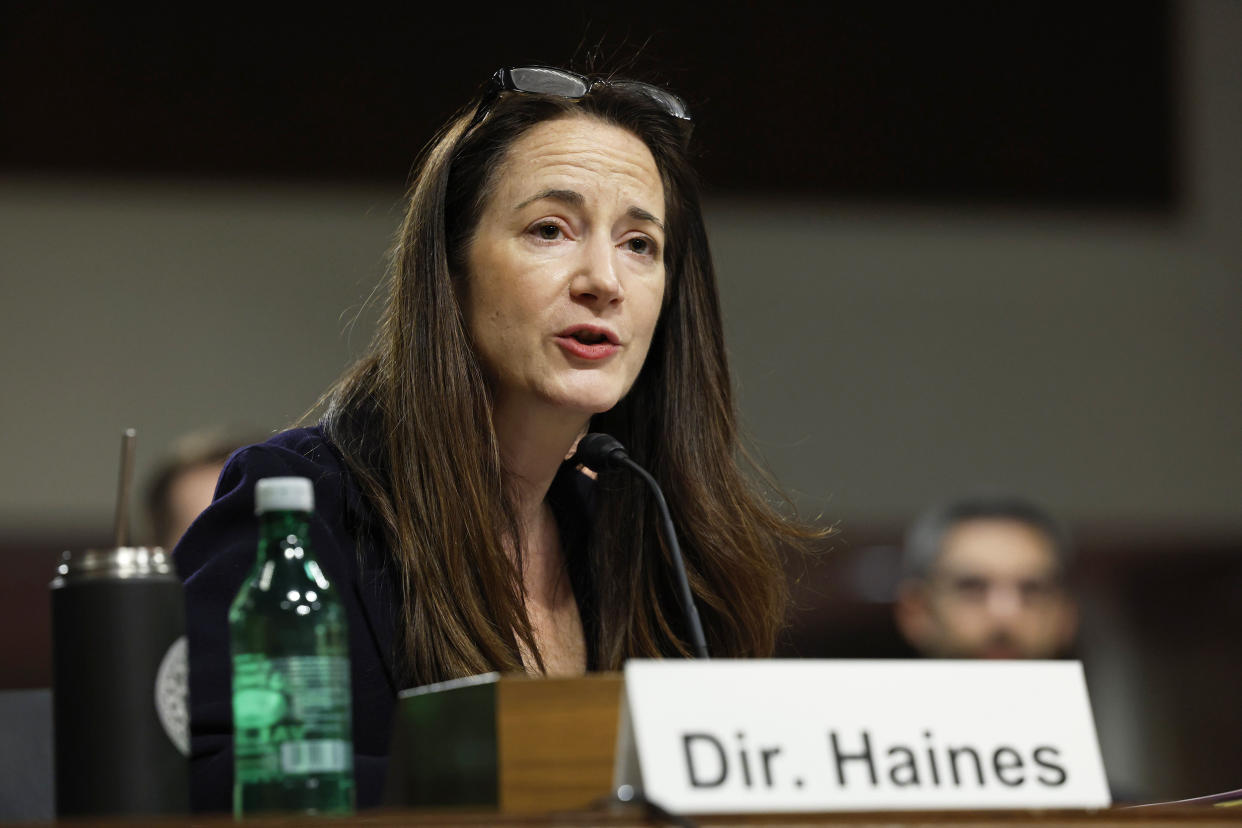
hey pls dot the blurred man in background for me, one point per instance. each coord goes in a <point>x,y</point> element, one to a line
<point>183,484</point>
<point>985,577</point>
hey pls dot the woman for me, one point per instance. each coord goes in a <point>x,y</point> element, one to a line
<point>552,276</point>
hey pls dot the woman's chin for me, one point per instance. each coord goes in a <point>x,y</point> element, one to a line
<point>588,402</point>
<point>592,407</point>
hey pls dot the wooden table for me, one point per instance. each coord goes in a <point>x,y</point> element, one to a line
<point>633,817</point>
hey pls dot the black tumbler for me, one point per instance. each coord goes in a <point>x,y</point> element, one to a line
<point>119,684</point>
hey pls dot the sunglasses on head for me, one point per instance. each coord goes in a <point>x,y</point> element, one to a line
<point>547,80</point>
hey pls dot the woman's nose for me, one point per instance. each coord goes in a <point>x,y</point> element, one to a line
<point>597,280</point>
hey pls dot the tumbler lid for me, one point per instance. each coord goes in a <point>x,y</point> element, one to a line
<point>283,494</point>
<point>117,562</point>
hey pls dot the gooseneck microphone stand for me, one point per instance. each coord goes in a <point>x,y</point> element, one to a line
<point>599,451</point>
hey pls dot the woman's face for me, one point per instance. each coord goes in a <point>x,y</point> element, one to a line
<point>566,267</point>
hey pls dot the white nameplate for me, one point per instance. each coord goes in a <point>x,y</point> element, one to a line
<point>754,736</point>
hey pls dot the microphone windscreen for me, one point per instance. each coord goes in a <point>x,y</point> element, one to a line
<point>599,451</point>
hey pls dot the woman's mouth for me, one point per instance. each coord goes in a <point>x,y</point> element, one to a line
<point>588,342</point>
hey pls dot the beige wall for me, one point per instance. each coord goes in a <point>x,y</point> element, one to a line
<point>885,357</point>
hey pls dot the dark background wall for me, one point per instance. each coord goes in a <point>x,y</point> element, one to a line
<point>1027,102</point>
<point>960,244</point>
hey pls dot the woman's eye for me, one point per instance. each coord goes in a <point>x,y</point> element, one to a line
<point>548,231</point>
<point>641,246</point>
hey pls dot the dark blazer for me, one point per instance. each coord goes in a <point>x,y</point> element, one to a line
<point>217,554</point>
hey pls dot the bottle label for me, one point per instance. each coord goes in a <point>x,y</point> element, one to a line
<point>290,716</point>
<point>314,756</point>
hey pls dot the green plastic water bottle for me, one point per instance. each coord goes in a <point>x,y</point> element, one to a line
<point>292,729</point>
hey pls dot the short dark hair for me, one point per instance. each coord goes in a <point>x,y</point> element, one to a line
<point>925,538</point>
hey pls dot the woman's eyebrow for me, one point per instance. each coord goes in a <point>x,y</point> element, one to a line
<point>571,197</point>
<point>575,199</point>
<point>642,215</point>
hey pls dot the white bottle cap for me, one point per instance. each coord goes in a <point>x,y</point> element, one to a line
<point>283,494</point>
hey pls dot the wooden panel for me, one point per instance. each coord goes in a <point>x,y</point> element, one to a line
<point>557,741</point>
<point>634,817</point>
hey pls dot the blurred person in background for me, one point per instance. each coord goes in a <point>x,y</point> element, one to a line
<point>182,485</point>
<point>985,577</point>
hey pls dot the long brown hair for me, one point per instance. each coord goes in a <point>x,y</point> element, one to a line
<point>413,420</point>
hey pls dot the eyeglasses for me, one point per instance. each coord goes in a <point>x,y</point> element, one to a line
<point>547,80</point>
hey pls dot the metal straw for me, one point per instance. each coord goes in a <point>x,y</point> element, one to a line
<point>121,523</point>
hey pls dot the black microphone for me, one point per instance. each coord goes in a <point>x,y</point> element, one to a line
<point>602,451</point>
